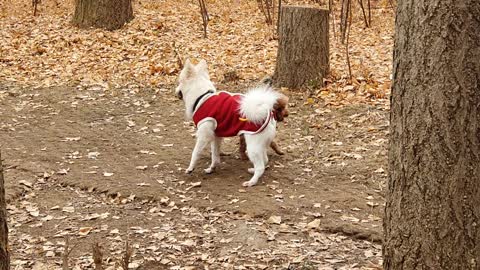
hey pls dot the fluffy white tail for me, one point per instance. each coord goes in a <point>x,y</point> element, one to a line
<point>257,103</point>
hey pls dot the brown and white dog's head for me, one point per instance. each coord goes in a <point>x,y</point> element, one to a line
<point>281,108</point>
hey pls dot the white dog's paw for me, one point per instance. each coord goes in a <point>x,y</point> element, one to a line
<point>209,170</point>
<point>188,171</point>
<point>251,170</point>
<point>248,184</point>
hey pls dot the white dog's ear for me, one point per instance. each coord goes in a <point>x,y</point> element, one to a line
<point>202,68</point>
<point>188,71</point>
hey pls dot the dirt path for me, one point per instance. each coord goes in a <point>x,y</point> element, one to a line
<point>123,152</point>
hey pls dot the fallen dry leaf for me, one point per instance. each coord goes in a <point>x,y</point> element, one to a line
<point>275,219</point>
<point>315,224</point>
<point>84,231</point>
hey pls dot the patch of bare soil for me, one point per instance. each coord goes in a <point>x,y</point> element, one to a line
<point>103,165</point>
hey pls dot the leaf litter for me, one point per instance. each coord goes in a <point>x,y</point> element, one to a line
<point>185,238</point>
<point>47,50</point>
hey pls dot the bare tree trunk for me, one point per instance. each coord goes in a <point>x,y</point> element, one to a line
<point>4,251</point>
<point>432,214</point>
<point>107,14</point>
<point>302,55</point>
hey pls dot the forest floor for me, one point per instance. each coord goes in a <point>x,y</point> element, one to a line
<point>94,149</point>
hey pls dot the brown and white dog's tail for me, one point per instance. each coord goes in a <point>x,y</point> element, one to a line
<point>257,104</point>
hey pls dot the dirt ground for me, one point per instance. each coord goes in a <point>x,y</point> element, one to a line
<point>107,165</point>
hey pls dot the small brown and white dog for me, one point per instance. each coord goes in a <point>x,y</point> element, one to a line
<point>280,109</point>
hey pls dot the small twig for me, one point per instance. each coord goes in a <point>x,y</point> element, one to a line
<point>267,8</point>
<point>35,4</point>
<point>344,14</point>
<point>369,13</point>
<point>178,56</point>
<point>205,17</point>
<point>364,15</point>
<point>349,24</point>
<point>332,12</point>
<point>125,260</point>
<point>97,256</point>
<point>66,253</point>
<point>260,6</point>
<point>391,5</point>
<point>273,11</point>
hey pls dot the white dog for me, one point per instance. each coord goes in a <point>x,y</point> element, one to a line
<point>222,114</point>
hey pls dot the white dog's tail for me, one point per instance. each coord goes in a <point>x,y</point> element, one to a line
<point>257,103</point>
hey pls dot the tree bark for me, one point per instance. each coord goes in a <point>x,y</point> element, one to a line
<point>4,250</point>
<point>432,214</point>
<point>107,14</point>
<point>302,55</point>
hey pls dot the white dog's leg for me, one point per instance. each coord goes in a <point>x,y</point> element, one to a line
<point>255,151</point>
<point>265,162</point>
<point>205,134</point>
<point>199,145</point>
<point>256,157</point>
<point>215,154</point>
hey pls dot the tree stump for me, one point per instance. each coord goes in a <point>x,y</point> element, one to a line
<point>107,14</point>
<point>4,252</point>
<point>302,56</point>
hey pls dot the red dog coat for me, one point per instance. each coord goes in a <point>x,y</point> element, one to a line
<point>224,109</point>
